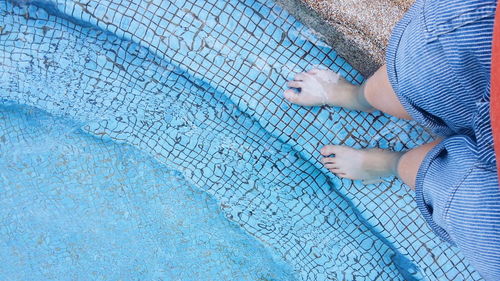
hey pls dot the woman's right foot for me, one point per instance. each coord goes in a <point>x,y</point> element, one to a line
<point>325,87</point>
<point>360,164</point>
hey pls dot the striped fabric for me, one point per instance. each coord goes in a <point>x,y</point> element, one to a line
<point>438,62</point>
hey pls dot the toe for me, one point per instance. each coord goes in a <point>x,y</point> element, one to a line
<point>333,166</point>
<point>300,76</point>
<point>294,84</point>
<point>338,173</point>
<point>291,95</point>
<point>328,160</point>
<point>314,71</point>
<point>329,150</point>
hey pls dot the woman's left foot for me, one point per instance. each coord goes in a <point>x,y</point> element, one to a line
<point>360,164</point>
<point>325,87</point>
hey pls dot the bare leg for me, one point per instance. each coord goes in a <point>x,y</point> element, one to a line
<point>409,163</point>
<point>365,164</point>
<point>324,87</point>
<point>376,93</point>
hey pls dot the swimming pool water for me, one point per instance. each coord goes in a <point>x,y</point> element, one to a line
<point>69,213</point>
<point>196,85</point>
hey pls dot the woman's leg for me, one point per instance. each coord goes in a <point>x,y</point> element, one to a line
<point>410,161</point>
<point>375,94</point>
<point>366,164</point>
<point>379,94</point>
<point>324,87</point>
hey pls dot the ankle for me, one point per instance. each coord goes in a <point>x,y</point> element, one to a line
<point>395,160</point>
<point>361,99</point>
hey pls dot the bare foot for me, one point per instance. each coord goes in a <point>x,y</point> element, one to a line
<point>360,164</point>
<point>325,87</point>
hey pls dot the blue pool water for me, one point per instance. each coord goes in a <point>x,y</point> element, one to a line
<point>71,213</point>
<point>149,140</point>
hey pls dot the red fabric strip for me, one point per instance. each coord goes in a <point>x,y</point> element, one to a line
<point>495,88</point>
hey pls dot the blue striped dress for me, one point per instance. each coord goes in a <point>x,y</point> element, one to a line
<point>438,62</point>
